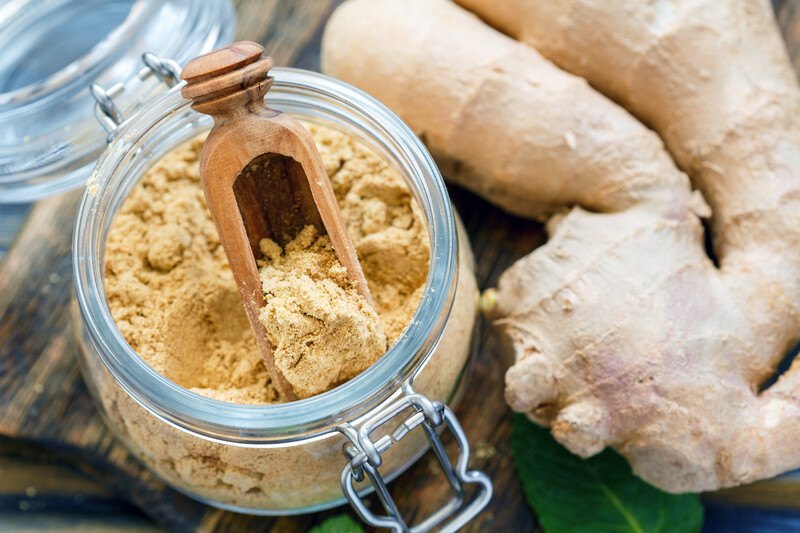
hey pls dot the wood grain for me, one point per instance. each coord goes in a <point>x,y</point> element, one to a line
<point>47,412</point>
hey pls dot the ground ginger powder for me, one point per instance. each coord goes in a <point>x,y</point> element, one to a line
<point>172,295</point>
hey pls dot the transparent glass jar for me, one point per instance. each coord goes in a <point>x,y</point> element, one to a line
<point>52,50</point>
<point>286,458</point>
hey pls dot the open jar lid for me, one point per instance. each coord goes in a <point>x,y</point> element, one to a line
<point>53,50</point>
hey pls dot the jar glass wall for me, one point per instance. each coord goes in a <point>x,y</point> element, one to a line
<point>270,458</point>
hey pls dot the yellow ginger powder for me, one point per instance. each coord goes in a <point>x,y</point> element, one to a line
<point>172,295</point>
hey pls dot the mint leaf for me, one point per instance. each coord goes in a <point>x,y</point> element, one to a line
<point>597,495</point>
<point>338,524</point>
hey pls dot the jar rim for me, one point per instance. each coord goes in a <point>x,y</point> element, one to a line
<point>303,419</point>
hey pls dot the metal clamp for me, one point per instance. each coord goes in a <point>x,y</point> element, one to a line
<point>365,457</point>
<point>108,113</point>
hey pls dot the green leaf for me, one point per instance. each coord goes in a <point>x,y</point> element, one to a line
<point>597,495</point>
<point>338,524</point>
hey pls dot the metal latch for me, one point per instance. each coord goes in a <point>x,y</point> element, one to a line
<point>108,113</point>
<point>364,457</point>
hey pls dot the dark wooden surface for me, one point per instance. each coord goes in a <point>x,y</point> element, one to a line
<point>61,469</point>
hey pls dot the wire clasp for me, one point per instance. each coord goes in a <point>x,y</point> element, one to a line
<point>106,110</point>
<point>365,457</point>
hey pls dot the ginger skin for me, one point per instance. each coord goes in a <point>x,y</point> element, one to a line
<point>624,332</point>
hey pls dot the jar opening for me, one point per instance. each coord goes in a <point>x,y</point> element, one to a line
<point>160,127</point>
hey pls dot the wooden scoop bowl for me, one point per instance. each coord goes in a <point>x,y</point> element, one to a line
<point>261,174</point>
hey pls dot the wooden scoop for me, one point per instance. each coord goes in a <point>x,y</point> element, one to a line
<point>261,174</point>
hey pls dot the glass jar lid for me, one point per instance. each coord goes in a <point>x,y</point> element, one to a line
<point>53,50</point>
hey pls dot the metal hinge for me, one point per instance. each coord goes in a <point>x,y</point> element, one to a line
<point>108,113</point>
<point>364,457</point>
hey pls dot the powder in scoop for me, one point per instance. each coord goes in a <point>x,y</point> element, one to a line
<point>323,331</point>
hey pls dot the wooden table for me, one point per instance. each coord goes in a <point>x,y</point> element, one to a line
<point>60,468</point>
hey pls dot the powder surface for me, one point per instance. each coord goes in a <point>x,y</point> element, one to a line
<point>323,331</point>
<point>172,295</point>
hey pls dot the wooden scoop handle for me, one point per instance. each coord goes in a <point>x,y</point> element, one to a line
<point>229,81</point>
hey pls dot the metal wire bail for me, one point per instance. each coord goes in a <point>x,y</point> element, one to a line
<point>167,70</point>
<point>364,459</point>
<point>106,110</point>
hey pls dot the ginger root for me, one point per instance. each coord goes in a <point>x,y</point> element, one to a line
<point>623,330</point>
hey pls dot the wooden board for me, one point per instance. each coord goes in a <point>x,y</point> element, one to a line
<point>48,416</point>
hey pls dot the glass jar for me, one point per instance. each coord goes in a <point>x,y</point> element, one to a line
<point>52,50</point>
<point>288,458</point>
